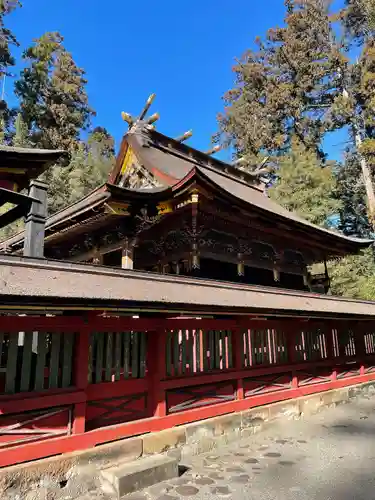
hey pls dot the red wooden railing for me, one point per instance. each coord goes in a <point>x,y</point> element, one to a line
<point>70,383</point>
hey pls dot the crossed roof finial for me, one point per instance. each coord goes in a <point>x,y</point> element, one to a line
<point>130,120</point>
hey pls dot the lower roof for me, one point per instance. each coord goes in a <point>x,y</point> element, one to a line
<point>25,280</point>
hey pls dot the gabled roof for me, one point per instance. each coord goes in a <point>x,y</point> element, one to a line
<point>24,164</point>
<point>171,165</point>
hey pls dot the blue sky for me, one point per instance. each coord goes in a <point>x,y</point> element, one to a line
<point>182,51</point>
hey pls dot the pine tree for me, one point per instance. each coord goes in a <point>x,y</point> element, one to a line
<point>352,193</point>
<point>305,187</point>
<point>7,38</point>
<point>53,99</point>
<point>94,163</point>
<point>358,18</point>
<point>7,61</point>
<point>287,86</point>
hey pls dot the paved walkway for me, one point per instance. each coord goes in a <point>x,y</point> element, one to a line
<point>329,456</point>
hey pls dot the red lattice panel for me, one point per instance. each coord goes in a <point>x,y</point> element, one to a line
<point>312,377</point>
<point>186,398</point>
<point>369,369</point>
<point>348,371</point>
<point>36,425</point>
<point>267,383</point>
<point>116,410</point>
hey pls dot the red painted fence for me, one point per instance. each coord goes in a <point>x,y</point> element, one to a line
<point>70,383</point>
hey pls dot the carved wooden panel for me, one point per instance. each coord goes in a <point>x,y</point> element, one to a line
<point>115,410</point>
<point>267,383</point>
<point>187,398</point>
<point>36,425</point>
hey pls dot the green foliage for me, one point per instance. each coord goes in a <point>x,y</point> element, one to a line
<point>89,167</point>
<point>7,38</point>
<point>52,95</point>
<point>354,276</point>
<point>285,88</point>
<point>358,18</point>
<point>351,191</point>
<point>305,187</point>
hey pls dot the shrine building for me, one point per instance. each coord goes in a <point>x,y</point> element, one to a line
<point>175,297</point>
<point>171,209</point>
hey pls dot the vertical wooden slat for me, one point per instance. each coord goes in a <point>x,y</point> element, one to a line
<point>224,349</point>
<point>108,357</point>
<point>176,353</point>
<point>67,359</point>
<point>183,352</point>
<point>198,340</point>
<point>99,357</point>
<point>26,361</point>
<point>1,347</point>
<point>216,335</point>
<point>127,337</point>
<point>117,356</point>
<point>135,355</point>
<point>54,365</point>
<point>191,334</point>
<point>142,354</point>
<point>41,361</point>
<point>11,368</point>
<point>230,349</point>
<point>211,348</point>
<point>168,353</point>
<point>91,357</point>
<point>205,349</point>
<point>245,354</point>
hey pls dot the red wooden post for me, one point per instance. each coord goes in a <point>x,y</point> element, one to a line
<point>156,346</point>
<point>328,332</point>
<point>81,364</point>
<point>238,354</point>
<point>360,348</point>
<point>291,347</point>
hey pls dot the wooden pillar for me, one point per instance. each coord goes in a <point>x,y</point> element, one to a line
<point>81,366</point>
<point>156,347</point>
<point>238,354</point>
<point>360,348</point>
<point>127,260</point>
<point>195,260</point>
<point>97,258</point>
<point>36,220</point>
<point>240,266</point>
<point>291,347</point>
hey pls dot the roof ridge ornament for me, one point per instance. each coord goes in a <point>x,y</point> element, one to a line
<point>132,122</point>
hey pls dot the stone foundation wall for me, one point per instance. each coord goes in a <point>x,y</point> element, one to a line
<point>76,473</point>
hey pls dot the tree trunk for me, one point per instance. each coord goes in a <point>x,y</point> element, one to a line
<point>367,178</point>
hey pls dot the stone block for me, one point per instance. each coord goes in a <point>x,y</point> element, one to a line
<point>140,474</point>
<point>227,424</point>
<point>124,450</point>
<point>159,442</point>
<point>255,417</point>
<point>285,409</point>
<point>310,404</point>
<point>341,395</point>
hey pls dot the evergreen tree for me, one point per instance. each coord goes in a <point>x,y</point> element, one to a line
<point>7,38</point>
<point>359,19</point>
<point>354,276</point>
<point>351,191</point>
<point>305,187</point>
<point>89,166</point>
<point>53,99</point>
<point>7,61</point>
<point>98,161</point>
<point>287,86</point>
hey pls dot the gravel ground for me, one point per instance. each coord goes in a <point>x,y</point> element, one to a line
<point>328,456</point>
